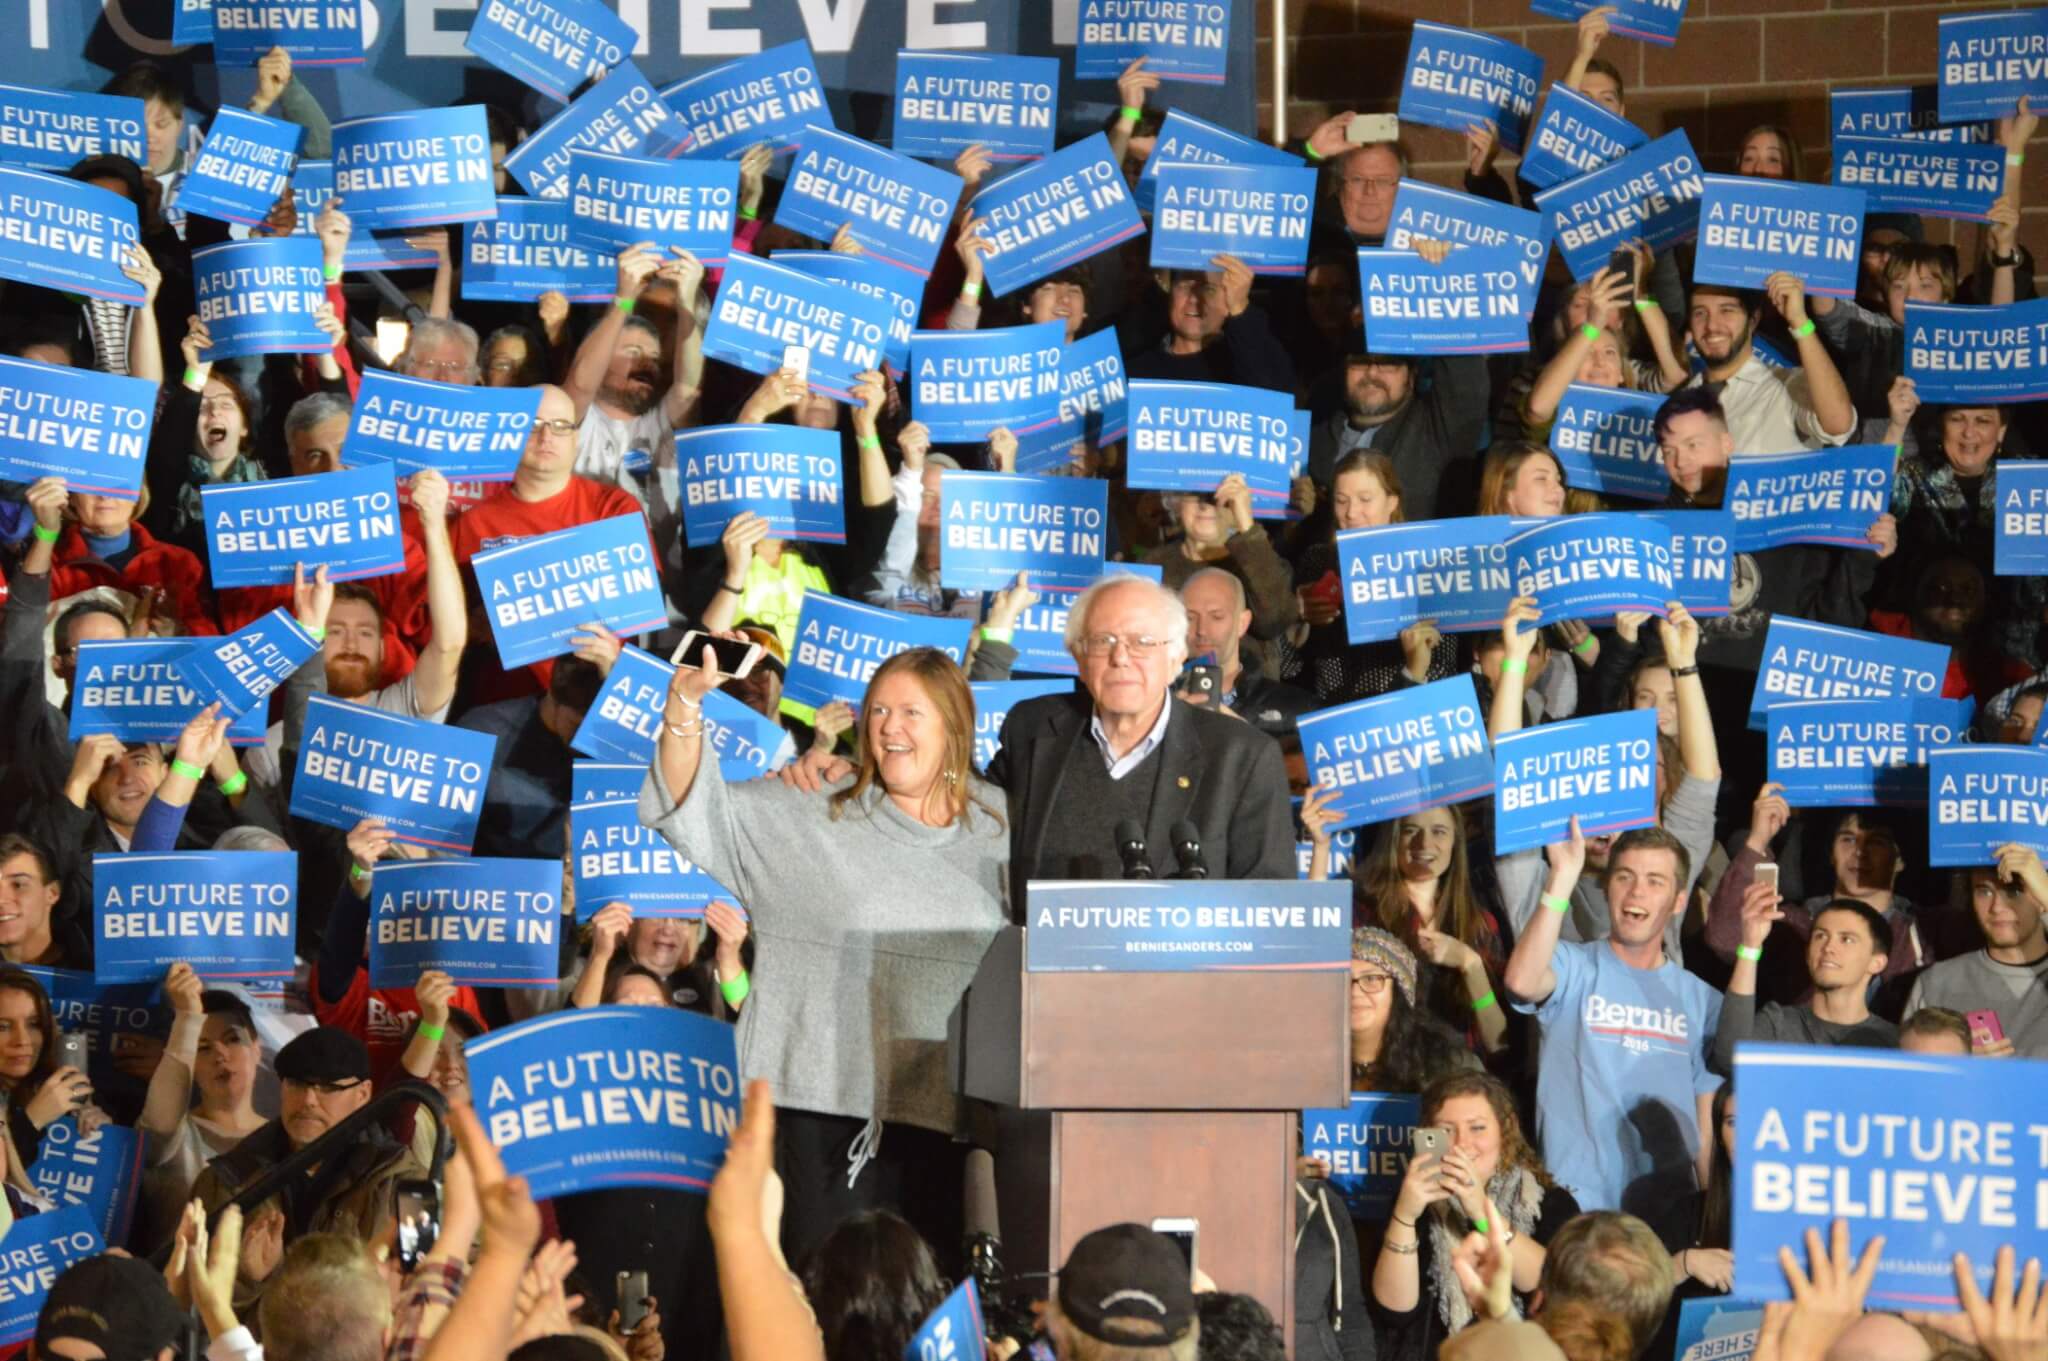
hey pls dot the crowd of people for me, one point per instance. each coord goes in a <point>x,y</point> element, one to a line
<point>1585,1182</point>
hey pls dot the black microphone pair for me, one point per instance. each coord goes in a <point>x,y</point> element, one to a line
<point>1187,851</point>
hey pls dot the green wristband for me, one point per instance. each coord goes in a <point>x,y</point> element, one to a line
<point>1751,953</point>
<point>868,441</point>
<point>1579,648</point>
<point>331,272</point>
<point>989,635</point>
<point>1308,150</point>
<point>1803,329</point>
<point>1556,904</point>
<point>46,535</point>
<point>1129,114</point>
<point>1479,1224</point>
<point>1514,666</point>
<point>358,873</point>
<point>431,1032</point>
<point>192,380</point>
<point>735,990</point>
<point>318,635</point>
<point>751,214</point>
<point>1484,1002</point>
<point>187,769</point>
<point>1590,331</point>
<point>1645,304</point>
<point>234,784</point>
<point>623,304</point>
<point>971,290</point>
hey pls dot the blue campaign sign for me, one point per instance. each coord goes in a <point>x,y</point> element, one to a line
<point>1184,139</point>
<point>1365,1145</point>
<point>1475,227</point>
<point>2021,548</point>
<point>609,1096</point>
<point>60,233</point>
<point>1093,405</point>
<point>946,102</point>
<point>771,96</point>
<point>551,45</point>
<point>624,723</point>
<point>1980,798</point>
<point>240,671</point>
<point>243,168</point>
<point>259,296</point>
<point>107,1016</point>
<point>1989,62</point>
<point>415,169</point>
<point>1752,228</point>
<point>1058,212</point>
<point>1343,850</point>
<point>840,643</point>
<point>525,251</point>
<point>1717,1329</point>
<point>1650,21</point>
<point>763,308</point>
<point>1469,304</point>
<point>748,744</point>
<point>54,130</point>
<point>619,201</point>
<point>1605,439</point>
<point>1830,496</point>
<point>1400,752</point>
<point>1178,40</point>
<point>312,32</point>
<point>1652,194</point>
<point>1040,634</point>
<point>993,701</point>
<point>1978,356</point>
<point>131,688</point>
<point>1831,753</point>
<point>36,1251</point>
<point>953,1332</point>
<point>897,208</point>
<point>883,282</point>
<point>1601,769</point>
<point>1574,136</point>
<point>313,185</point>
<point>1908,111</point>
<point>229,914</point>
<point>1937,1154</point>
<point>965,384</point>
<point>1457,77</point>
<point>191,23</point>
<point>1936,179</point>
<point>994,525</point>
<point>89,428</point>
<point>97,1172</point>
<point>466,432</point>
<point>1190,436</point>
<point>345,521</point>
<point>1805,660</point>
<point>617,860</point>
<point>621,115</point>
<point>485,923</point>
<point>1258,213</point>
<point>1702,558</point>
<point>789,476</point>
<point>1451,572</point>
<point>538,592</point>
<point>426,780</point>
<point>1591,566</point>
<point>1190,926</point>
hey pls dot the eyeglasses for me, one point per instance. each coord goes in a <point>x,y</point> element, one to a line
<point>440,366</point>
<point>502,366</point>
<point>1105,644</point>
<point>635,353</point>
<point>328,1088</point>
<point>562,428</point>
<point>1371,184</point>
<point>1371,984</point>
<point>211,404</point>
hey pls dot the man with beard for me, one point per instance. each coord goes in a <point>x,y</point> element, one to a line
<point>1427,415</point>
<point>1845,951</point>
<point>2005,976</point>
<point>1623,1090</point>
<point>1769,410</point>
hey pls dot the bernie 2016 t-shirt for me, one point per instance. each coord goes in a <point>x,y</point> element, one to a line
<point>1624,1057</point>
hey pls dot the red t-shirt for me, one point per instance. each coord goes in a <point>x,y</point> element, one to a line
<point>401,596</point>
<point>379,1017</point>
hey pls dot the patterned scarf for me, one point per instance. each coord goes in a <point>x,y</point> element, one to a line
<point>199,473</point>
<point>1513,1192</point>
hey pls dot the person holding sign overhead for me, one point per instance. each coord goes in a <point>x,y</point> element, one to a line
<point>1218,531</point>
<point>870,910</point>
<point>1769,410</point>
<point>1596,347</point>
<point>1417,883</point>
<point>1214,332</point>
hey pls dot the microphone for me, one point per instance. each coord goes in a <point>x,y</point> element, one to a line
<point>1130,848</point>
<point>1187,849</point>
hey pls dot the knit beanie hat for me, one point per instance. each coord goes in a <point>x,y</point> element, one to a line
<point>1371,945</point>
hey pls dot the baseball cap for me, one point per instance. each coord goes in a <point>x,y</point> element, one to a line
<point>117,1304</point>
<point>1127,1286</point>
<point>324,1054</point>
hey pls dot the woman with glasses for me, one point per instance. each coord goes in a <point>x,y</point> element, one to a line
<point>514,357</point>
<point>1395,1047</point>
<point>870,910</point>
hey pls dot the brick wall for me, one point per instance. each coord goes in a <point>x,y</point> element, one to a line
<point>1737,63</point>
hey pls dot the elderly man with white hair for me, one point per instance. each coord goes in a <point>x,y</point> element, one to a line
<point>1123,750</point>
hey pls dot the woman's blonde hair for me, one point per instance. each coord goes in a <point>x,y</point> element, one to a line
<point>941,680</point>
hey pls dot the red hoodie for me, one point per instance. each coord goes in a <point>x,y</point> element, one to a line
<point>180,575</point>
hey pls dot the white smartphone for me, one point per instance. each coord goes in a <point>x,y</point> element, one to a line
<point>734,657</point>
<point>1372,127</point>
<point>797,359</point>
<point>1185,1233</point>
<point>1767,873</point>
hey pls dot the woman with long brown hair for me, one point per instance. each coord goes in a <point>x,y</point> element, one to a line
<point>870,911</point>
<point>1417,884</point>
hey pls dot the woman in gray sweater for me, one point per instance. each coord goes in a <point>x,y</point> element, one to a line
<point>870,911</point>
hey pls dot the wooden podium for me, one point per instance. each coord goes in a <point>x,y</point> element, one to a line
<point>1135,1096</point>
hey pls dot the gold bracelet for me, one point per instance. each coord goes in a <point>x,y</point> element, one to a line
<point>1400,1249</point>
<point>683,699</point>
<point>695,729</point>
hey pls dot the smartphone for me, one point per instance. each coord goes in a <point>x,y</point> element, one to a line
<point>1767,873</point>
<point>418,1204</point>
<point>632,1297</point>
<point>797,359</point>
<point>1372,127</point>
<point>1184,1233</point>
<point>735,656</point>
<point>1623,262</point>
<point>1326,589</point>
<point>1200,680</point>
<point>1431,1139</point>
<point>72,1050</point>
<point>1984,1028</point>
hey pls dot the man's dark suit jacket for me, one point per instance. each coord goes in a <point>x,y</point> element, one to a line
<point>1217,772</point>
